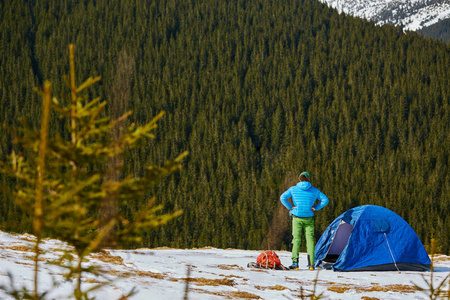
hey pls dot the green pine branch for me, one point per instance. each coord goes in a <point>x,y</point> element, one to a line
<point>63,183</point>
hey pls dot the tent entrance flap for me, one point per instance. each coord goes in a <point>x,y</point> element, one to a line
<point>339,242</point>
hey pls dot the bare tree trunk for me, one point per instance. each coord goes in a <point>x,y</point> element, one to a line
<point>38,206</point>
<point>121,91</point>
<point>280,222</point>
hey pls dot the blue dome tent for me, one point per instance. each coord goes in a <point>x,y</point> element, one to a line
<point>371,238</point>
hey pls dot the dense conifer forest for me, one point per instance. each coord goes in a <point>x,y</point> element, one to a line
<point>257,91</point>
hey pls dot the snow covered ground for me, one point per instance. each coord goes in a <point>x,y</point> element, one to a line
<point>214,274</point>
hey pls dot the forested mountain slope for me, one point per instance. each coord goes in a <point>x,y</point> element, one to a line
<point>257,91</point>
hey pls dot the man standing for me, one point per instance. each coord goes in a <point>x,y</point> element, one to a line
<point>304,195</point>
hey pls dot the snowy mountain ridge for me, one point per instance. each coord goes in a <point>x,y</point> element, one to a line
<point>411,14</point>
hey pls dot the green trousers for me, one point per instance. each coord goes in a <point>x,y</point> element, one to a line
<point>298,224</point>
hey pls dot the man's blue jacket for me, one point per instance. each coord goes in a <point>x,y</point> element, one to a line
<point>303,195</point>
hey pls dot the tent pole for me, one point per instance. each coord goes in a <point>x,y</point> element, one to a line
<point>391,251</point>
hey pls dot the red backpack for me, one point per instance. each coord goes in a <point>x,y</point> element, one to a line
<point>269,259</point>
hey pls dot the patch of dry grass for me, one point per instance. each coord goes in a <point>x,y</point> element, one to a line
<point>201,291</point>
<point>33,257</point>
<point>396,288</point>
<point>126,274</point>
<point>118,273</point>
<point>236,276</point>
<point>259,270</point>
<point>22,248</point>
<point>207,281</point>
<point>441,258</point>
<point>191,266</point>
<point>341,288</point>
<point>149,274</point>
<point>227,295</point>
<point>403,288</point>
<point>106,257</point>
<point>274,288</point>
<point>25,263</point>
<point>230,267</point>
<point>295,280</point>
<point>28,237</point>
<point>94,280</point>
<point>278,288</point>
<point>445,294</point>
<point>243,295</point>
<point>369,298</point>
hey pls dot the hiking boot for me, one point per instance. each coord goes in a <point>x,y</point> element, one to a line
<point>294,266</point>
